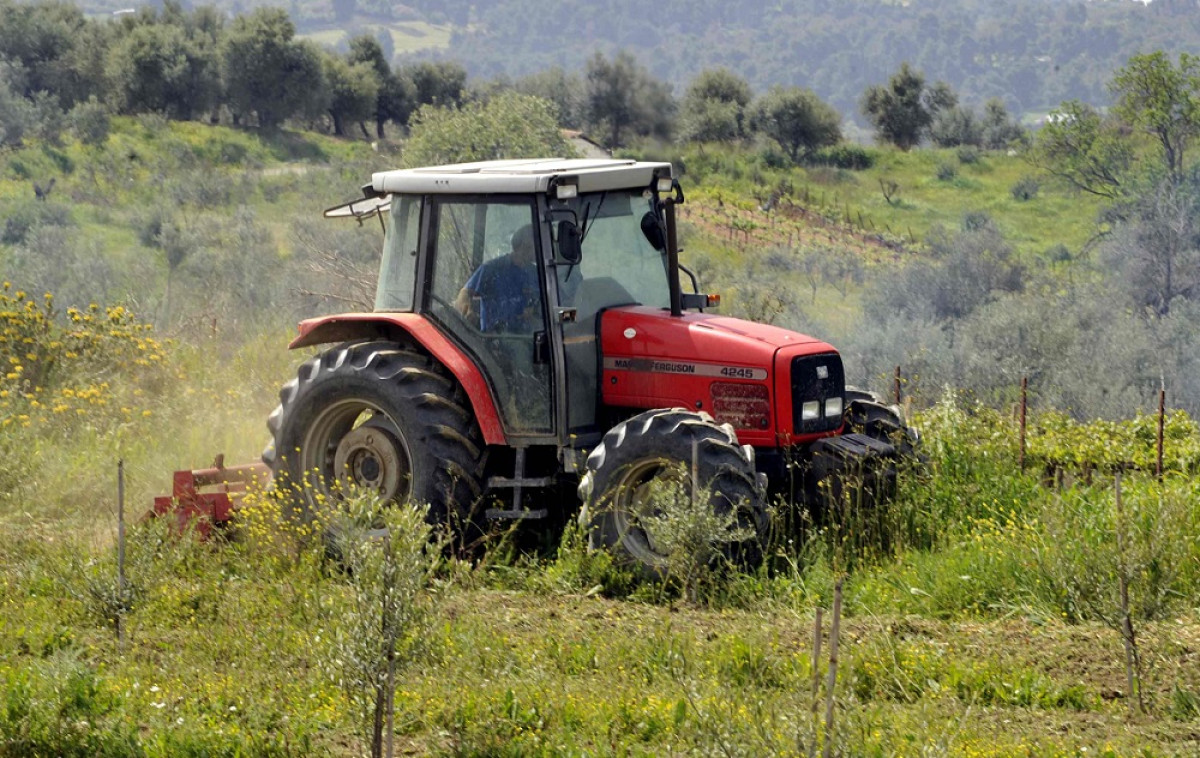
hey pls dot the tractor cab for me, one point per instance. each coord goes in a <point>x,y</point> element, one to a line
<point>514,261</point>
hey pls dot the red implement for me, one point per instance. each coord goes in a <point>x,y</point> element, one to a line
<point>202,498</point>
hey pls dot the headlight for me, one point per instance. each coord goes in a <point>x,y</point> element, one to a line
<point>810,411</point>
<point>833,407</point>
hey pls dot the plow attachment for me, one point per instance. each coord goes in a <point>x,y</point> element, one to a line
<point>206,498</point>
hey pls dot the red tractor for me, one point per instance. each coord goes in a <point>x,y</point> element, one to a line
<point>532,347</point>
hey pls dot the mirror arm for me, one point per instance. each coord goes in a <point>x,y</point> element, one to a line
<point>695,282</point>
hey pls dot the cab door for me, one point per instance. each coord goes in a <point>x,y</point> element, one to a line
<point>463,234</point>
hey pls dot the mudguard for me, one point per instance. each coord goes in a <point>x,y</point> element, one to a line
<point>400,327</point>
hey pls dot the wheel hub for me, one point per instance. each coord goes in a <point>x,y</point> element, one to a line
<point>370,457</point>
<point>636,512</point>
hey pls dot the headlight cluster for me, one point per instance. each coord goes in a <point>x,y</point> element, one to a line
<point>818,393</point>
<point>810,410</point>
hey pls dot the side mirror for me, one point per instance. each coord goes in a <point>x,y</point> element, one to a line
<point>570,244</point>
<point>652,230</point>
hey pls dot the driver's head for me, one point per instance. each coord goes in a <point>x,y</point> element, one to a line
<point>522,244</point>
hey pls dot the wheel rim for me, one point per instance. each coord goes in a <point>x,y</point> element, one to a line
<point>634,510</point>
<point>355,443</point>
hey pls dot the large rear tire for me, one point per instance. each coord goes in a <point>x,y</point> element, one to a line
<point>651,450</point>
<point>377,416</point>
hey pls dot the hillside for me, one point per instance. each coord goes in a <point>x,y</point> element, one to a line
<point>148,295</point>
<point>1033,54</point>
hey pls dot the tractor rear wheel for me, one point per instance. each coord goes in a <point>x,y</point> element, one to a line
<point>381,417</point>
<point>650,456</point>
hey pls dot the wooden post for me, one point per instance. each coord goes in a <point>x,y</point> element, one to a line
<point>1123,581</point>
<point>390,635</point>
<point>816,662</point>
<point>831,682</point>
<point>695,472</point>
<point>897,386</point>
<point>120,550</point>
<point>816,683</point>
<point>1162,423</point>
<point>1024,412</point>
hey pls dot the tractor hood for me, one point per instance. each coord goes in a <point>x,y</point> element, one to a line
<point>639,331</point>
<point>739,371</point>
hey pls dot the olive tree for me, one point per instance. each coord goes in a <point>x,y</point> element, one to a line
<point>798,120</point>
<point>510,125</point>
<point>903,110</point>
<point>624,98</point>
<point>714,107</point>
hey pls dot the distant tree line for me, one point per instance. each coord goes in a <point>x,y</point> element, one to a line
<point>58,68</point>
<point>251,70</point>
<point>1031,54</point>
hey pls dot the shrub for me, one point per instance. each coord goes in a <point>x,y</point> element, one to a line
<point>968,154</point>
<point>1025,189</point>
<point>946,171</point>
<point>90,122</point>
<point>23,217</point>
<point>845,155</point>
<point>88,371</point>
<point>387,619</point>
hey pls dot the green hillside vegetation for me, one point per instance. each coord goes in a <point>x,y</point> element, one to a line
<point>901,197</point>
<point>978,607</point>
<point>1032,53</point>
<point>155,256</point>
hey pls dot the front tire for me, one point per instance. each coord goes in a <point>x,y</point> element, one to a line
<point>655,450</point>
<point>381,417</point>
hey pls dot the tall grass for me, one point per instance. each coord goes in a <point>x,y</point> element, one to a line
<point>231,646</point>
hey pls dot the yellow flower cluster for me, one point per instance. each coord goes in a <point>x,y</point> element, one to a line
<point>87,365</point>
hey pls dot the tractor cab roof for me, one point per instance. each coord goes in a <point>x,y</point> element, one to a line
<point>522,176</point>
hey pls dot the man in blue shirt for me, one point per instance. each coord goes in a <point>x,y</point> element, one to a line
<point>506,289</point>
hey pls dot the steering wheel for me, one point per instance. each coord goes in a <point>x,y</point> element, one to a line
<point>452,310</point>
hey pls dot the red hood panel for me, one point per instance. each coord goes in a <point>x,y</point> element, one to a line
<point>653,332</point>
<point>654,360</point>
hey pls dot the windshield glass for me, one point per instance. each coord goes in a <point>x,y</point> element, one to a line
<point>615,252</point>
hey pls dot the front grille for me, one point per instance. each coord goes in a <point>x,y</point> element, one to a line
<point>818,379</point>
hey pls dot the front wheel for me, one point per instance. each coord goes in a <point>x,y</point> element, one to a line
<point>379,417</point>
<point>641,485</point>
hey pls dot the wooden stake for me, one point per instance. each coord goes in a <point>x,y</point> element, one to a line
<point>1162,423</point>
<point>120,549</point>
<point>1024,412</point>
<point>816,681</point>
<point>695,472</point>
<point>897,385</point>
<point>830,683</point>
<point>1123,580</point>
<point>816,662</point>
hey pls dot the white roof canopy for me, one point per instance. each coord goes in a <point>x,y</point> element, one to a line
<point>519,176</point>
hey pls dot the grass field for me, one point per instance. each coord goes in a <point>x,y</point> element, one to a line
<point>974,610</point>
<point>981,606</point>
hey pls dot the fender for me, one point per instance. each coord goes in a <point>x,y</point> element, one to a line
<point>395,327</point>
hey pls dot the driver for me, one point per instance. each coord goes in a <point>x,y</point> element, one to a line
<point>506,288</point>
